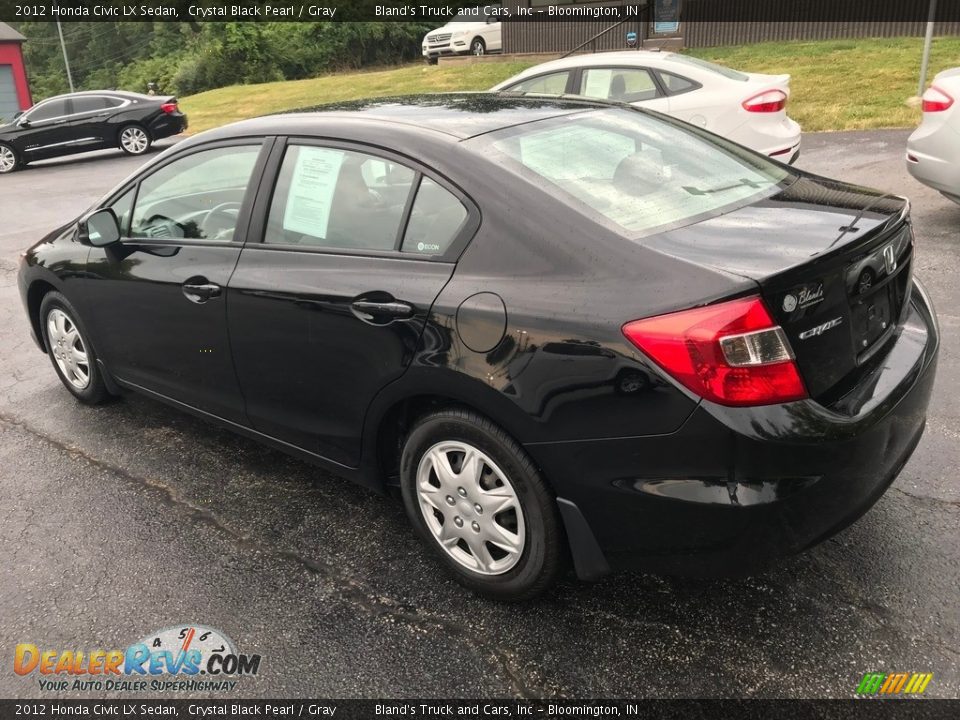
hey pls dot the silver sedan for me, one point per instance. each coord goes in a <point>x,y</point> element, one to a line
<point>933,151</point>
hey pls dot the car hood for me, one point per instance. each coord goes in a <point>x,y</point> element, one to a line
<point>809,218</point>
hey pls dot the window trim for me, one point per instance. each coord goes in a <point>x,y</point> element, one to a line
<point>267,145</point>
<point>256,233</point>
<point>658,74</point>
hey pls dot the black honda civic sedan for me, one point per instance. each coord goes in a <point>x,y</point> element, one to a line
<point>86,121</point>
<point>563,330</point>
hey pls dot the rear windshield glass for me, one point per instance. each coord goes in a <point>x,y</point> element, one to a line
<point>712,67</point>
<point>634,171</point>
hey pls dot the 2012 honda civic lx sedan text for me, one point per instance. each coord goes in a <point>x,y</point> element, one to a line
<point>566,330</point>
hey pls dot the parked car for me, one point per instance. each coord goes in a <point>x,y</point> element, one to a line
<point>747,108</point>
<point>474,31</point>
<point>86,121</point>
<point>647,354</point>
<point>933,151</point>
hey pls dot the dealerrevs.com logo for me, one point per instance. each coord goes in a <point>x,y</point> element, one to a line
<point>187,658</point>
<point>903,683</point>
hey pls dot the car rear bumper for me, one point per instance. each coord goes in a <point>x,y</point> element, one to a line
<point>735,488</point>
<point>168,124</point>
<point>779,140</point>
<point>933,158</point>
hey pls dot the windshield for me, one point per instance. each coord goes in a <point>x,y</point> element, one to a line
<point>634,171</point>
<point>709,66</point>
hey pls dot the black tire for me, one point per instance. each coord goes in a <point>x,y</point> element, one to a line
<point>432,60</point>
<point>143,139</point>
<point>543,554</point>
<point>478,47</point>
<point>95,391</point>
<point>6,153</point>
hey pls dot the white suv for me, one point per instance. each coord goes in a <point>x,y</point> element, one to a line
<point>474,30</point>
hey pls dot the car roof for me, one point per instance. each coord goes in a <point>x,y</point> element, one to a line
<point>96,93</point>
<point>456,115</point>
<point>627,57</point>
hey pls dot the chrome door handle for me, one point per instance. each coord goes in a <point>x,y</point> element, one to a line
<point>201,292</point>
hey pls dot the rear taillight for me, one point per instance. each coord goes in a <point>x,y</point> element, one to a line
<point>769,101</point>
<point>731,353</point>
<point>936,100</point>
<point>168,108</point>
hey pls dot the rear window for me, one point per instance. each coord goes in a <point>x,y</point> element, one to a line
<point>709,66</point>
<point>634,171</point>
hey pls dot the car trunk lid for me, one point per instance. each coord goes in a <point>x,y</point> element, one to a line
<point>833,263</point>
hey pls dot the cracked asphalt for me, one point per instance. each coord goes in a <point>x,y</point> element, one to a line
<point>124,519</point>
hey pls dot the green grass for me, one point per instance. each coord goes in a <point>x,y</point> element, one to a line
<point>836,84</point>
<point>845,84</point>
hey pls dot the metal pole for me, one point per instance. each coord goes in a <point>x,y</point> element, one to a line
<point>926,48</point>
<point>66,62</point>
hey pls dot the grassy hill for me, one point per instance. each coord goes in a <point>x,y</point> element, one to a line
<point>836,85</point>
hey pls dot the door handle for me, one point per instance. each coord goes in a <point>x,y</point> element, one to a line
<point>381,312</point>
<point>201,292</point>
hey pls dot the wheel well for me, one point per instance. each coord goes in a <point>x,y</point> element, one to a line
<point>35,295</point>
<point>394,426</point>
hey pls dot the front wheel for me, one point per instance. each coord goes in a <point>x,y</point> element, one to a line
<point>134,140</point>
<point>477,499</point>
<point>73,358</point>
<point>8,159</point>
<point>478,47</point>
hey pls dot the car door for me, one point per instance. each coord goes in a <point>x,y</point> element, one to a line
<point>158,297</point>
<point>88,120</point>
<point>45,130</point>
<point>634,85</point>
<point>329,307</point>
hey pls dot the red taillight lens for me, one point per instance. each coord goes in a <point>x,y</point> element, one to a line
<point>169,107</point>
<point>936,100</point>
<point>731,353</point>
<point>769,101</point>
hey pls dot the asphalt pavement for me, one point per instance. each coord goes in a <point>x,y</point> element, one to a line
<point>120,520</point>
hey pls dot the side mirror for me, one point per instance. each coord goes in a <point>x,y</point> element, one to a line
<point>23,122</point>
<point>99,228</point>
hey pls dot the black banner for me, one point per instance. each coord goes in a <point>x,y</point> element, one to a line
<point>603,11</point>
<point>499,709</point>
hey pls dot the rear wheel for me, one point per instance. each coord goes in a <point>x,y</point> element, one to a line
<point>134,140</point>
<point>73,358</point>
<point>8,159</point>
<point>477,499</point>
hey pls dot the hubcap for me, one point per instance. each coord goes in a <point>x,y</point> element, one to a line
<point>471,508</point>
<point>7,159</point>
<point>68,349</point>
<point>134,140</point>
<point>478,48</point>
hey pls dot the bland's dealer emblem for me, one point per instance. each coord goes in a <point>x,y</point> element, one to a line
<point>803,297</point>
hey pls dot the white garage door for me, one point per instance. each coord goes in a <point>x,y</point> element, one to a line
<point>8,93</point>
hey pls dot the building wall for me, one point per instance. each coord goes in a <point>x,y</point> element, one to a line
<point>840,22</point>
<point>10,54</point>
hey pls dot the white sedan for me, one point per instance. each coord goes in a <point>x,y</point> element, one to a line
<point>933,151</point>
<point>748,108</point>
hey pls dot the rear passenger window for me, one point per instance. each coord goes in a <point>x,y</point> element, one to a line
<point>676,84</point>
<point>435,220</point>
<point>621,84</point>
<point>334,198</point>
